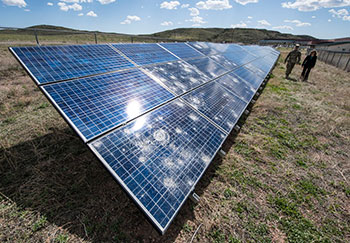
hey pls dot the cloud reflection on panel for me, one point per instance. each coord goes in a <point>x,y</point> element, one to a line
<point>208,66</point>
<point>218,104</point>
<point>161,160</point>
<point>179,77</point>
<point>237,86</point>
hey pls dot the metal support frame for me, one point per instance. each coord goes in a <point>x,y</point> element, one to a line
<point>36,38</point>
<point>194,197</point>
<point>222,153</point>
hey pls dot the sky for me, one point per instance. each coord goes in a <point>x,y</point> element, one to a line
<point>319,18</point>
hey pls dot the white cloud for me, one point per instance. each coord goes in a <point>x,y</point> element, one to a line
<point>196,20</point>
<point>214,5</point>
<point>341,13</point>
<point>264,22</point>
<point>240,25</point>
<point>81,14</point>
<point>26,10</point>
<point>49,4</point>
<point>17,3</point>
<point>185,5</point>
<point>74,6</point>
<point>170,5</point>
<point>329,20</point>
<point>283,27</point>
<point>167,23</point>
<point>130,18</point>
<point>312,5</point>
<point>194,12</point>
<point>244,2</point>
<point>297,23</point>
<point>106,1</point>
<point>91,14</point>
<point>314,17</point>
<point>249,17</point>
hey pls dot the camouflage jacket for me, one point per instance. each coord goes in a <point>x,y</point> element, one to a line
<point>293,56</point>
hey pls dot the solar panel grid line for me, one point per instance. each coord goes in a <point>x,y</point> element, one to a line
<point>162,228</point>
<point>32,75</point>
<point>204,116</point>
<point>218,107</point>
<point>176,96</point>
<point>169,51</point>
<point>134,77</point>
<point>36,81</point>
<point>63,114</point>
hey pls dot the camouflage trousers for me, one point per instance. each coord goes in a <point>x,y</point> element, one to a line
<point>290,66</point>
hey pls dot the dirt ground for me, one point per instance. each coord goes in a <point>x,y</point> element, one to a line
<point>285,178</point>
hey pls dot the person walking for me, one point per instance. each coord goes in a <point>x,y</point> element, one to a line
<point>292,58</point>
<point>308,63</point>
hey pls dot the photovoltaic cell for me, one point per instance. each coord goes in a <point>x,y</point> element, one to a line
<point>240,58</point>
<point>143,54</point>
<point>237,86</point>
<point>159,157</point>
<point>248,76</point>
<point>97,104</point>
<point>54,63</point>
<point>182,50</point>
<point>208,66</point>
<point>179,76</point>
<point>222,60</point>
<point>204,47</point>
<point>218,104</point>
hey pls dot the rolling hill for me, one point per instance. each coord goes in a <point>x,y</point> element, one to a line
<point>237,35</point>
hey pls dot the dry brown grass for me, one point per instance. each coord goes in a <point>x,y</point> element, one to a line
<point>285,176</point>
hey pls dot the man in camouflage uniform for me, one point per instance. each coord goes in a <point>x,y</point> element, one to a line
<point>292,58</point>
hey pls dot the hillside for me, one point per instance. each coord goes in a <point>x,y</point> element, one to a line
<point>242,35</point>
<point>237,35</point>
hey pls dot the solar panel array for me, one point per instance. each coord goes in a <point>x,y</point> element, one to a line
<point>154,114</point>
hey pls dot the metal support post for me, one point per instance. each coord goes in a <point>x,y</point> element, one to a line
<point>95,38</point>
<point>36,38</point>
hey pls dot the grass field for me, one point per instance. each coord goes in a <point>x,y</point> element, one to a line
<point>285,177</point>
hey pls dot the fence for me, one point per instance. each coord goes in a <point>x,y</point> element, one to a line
<point>47,36</point>
<point>335,58</point>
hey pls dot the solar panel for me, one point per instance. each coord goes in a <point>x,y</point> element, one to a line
<point>182,50</point>
<point>179,76</point>
<point>156,127</point>
<point>224,61</point>
<point>96,104</point>
<point>237,86</point>
<point>143,54</point>
<point>240,58</point>
<point>208,66</point>
<point>218,104</point>
<point>54,63</point>
<point>248,76</point>
<point>159,157</point>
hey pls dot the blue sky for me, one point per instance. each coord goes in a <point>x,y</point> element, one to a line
<point>322,19</point>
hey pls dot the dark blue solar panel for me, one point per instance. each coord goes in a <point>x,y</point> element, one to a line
<point>237,86</point>
<point>97,104</point>
<point>224,61</point>
<point>179,76</point>
<point>181,50</point>
<point>204,47</point>
<point>53,63</point>
<point>143,54</point>
<point>208,66</point>
<point>159,157</point>
<point>250,77</point>
<point>218,104</point>
<point>240,58</point>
